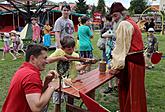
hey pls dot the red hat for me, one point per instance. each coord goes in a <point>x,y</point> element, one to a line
<point>116,7</point>
<point>156,57</point>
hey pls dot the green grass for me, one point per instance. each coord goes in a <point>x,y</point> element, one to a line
<point>155,80</point>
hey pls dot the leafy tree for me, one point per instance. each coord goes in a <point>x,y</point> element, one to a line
<point>82,7</point>
<point>101,7</point>
<point>93,9</point>
<point>137,6</point>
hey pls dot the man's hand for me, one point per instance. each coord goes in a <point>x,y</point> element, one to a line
<point>54,84</point>
<point>52,74</point>
<point>114,71</point>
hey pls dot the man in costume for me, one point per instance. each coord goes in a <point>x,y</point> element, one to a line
<point>128,61</point>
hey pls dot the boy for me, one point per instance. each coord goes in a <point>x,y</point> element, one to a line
<point>85,34</point>
<point>64,67</point>
<point>152,46</point>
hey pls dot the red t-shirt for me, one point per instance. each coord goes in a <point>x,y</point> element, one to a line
<point>25,81</point>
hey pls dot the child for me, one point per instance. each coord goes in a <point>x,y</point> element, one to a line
<point>64,67</point>
<point>15,42</point>
<point>110,44</point>
<point>20,43</point>
<point>152,46</point>
<point>47,37</point>
<point>6,47</point>
<point>36,31</point>
<point>85,34</point>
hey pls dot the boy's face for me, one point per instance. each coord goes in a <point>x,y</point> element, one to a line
<point>151,33</point>
<point>88,22</point>
<point>65,12</point>
<point>68,50</point>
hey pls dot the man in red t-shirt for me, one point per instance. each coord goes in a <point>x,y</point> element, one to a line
<point>26,90</point>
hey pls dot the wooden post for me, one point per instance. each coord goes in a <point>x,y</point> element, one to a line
<point>18,19</point>
<point>13,22</point>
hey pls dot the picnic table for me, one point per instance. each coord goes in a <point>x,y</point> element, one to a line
<point>86,83</point>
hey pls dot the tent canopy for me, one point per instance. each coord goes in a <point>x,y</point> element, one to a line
<point>22,0</point>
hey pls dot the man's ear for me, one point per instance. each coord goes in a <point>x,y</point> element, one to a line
<point>32,58</point>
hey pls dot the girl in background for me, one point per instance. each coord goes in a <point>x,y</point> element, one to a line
<point>6,47</point>
<point>15,42</point>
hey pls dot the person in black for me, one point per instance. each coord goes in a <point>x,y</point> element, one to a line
<point>152,24</point>
<point>146,25</point>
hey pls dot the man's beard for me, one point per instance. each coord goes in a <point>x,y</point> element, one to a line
<point>116,24</point>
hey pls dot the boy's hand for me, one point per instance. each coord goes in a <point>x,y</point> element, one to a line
<point>64,58</point>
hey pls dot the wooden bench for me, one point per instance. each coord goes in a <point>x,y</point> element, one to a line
<point>86,83</point>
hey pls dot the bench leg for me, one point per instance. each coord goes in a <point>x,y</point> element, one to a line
<point>70,101</point>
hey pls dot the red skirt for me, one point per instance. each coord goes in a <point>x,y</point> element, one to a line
<point>132,97</point>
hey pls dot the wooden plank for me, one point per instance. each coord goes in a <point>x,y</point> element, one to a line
<point>89,82</point>
<point>84,81</point>
<point>95,84</point>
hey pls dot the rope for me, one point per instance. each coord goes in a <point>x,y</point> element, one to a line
<point>70,84</point>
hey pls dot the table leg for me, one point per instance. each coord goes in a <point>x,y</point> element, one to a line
<point>92,94</point>
<point>57,107</point>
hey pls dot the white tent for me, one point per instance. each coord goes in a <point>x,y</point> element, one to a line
<point>26,32</point>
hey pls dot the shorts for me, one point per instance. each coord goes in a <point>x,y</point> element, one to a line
<point>6,48</point>
<point>56,97</point>
<point>86,54</point>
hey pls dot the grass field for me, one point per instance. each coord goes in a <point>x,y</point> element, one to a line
<point>155,80</point>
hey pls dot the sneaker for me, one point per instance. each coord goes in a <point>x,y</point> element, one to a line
<point>115,88</point>
<point>108,90</point>
<point>2,59</point>
<point>14,58</point>
<point>149,67</point>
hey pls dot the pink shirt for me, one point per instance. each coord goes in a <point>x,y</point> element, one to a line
<point>36,32</point>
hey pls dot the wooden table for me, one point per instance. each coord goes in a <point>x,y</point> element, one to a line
<point>86,83</point>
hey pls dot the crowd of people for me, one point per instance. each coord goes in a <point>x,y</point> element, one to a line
<point>122,50</point>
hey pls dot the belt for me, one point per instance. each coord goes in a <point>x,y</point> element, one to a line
<point>130,53</point>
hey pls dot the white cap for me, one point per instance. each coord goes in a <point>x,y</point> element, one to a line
<point>151,30</point>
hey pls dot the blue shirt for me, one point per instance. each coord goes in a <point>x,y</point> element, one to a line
<point>84,34</point>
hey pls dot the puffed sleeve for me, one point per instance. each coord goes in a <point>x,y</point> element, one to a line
<point>123,42</point>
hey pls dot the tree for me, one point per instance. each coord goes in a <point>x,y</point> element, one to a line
<point>81,7</point>
<point>101,7</point>
<point>93,9</point>
<point>137,6</point>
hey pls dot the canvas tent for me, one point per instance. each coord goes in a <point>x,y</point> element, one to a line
<point>26,33</point>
